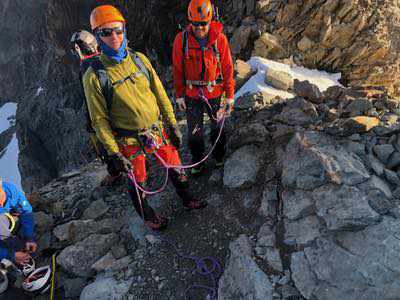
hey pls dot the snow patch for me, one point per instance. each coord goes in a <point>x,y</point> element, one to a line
<point>257,83</point>
<point>9,156</point>
<point>7,112</point>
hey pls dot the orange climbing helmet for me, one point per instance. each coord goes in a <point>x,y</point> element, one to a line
<point>105,14</point>
<point>200,11</point>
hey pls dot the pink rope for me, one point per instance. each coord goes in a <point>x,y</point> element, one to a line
<point>167,166</point>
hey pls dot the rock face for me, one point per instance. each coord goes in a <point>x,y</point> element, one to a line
<point>332,35</point>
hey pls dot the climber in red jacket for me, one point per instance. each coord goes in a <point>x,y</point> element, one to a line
<point>203,78</point>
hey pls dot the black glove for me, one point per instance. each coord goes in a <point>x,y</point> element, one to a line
<point>121,163</point>
<point>175,136</point>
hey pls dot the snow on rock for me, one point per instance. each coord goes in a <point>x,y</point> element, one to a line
<point>257,83</point>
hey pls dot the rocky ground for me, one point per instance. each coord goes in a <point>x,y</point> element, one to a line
<point>306,207</point>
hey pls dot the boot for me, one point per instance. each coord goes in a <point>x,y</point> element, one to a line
<point>157,222</point>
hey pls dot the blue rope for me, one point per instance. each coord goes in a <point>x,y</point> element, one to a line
<point>211,273</point>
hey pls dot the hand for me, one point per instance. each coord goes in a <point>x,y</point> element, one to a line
<point>121,163</point>
<point>181,103</point>
<point>31,247</point>
<point>175,136</point>
<point>21,258</point>
<point>226,109</point>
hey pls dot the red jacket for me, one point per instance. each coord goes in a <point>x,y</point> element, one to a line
<point>193,60</point>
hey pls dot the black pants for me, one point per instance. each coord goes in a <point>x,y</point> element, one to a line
<point>195,109</point>
<point>144,210</point>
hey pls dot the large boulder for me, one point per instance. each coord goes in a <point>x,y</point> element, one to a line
<point>314,159</point>
<point>242,278</point>
<point>344,208</point>
<point>298,112</point>
<point>79,258</point>
<point>241,168</point>
<point>105,289</point>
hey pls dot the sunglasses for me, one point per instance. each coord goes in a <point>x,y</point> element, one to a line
<point>105,32</point>
<point>198,24</point>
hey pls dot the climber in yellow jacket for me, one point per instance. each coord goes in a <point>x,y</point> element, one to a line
<point>132,111</point>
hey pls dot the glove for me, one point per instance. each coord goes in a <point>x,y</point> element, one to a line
<point>226,109</point>
<point>229,107</point>
<point>181,103</point>
<point>175,136</point>
<point>121,163</point>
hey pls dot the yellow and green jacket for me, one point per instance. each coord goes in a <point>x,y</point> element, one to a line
<point>137,103</point>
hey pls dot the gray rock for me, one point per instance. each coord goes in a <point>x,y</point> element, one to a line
<point>273,258</point>
<point>394,160</point>
<point>243,71</point>
<point>242,278</point>
<point>106,289</point>
<point>269,200</point>
<point>43,222</point>
<point>254,133</point>
<point>95,210</point>
<point>358,107</point>
<point>355,147</point>
<point>265,237</point>
<point>312,159</point>
<point>375,165</point>
<point>297,204</point>
<point>344,207</point>
<point>288,292</point>
<point>298,112</point>
<point>383,152</point>
<point>302,231</point>
<point>104,263</point>
<point>302,275</point>
<point>73,287</point>
<point>75,231</point>
<point>378,201</point>
<point>118,251</point>
<point>121,264</point>
<point>79,258</point>
<point>307,90</point>
<point>241,168</point>
<point>279,79</point>
<point>254,101</point>
<point>376,183</point>
<point>392,177</point>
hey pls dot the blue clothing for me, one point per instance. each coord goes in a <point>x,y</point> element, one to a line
<point>117,55</point>
<point>202,41</point>
<point>16,202</point>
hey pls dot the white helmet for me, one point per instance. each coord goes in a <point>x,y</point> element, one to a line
<point>38,281</point>
<point>3,281</point>
<point>29,267</point>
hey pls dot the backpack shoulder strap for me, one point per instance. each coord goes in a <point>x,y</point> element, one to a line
<point>216,52</point>
<point>105,83</point>
<point>138,61</point>
<point>185,51</point>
